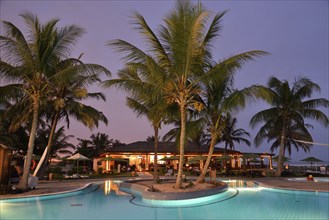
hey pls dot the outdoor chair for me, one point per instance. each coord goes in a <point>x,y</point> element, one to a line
<point>169,172</point>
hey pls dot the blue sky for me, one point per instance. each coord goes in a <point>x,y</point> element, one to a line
<point>294,32</point>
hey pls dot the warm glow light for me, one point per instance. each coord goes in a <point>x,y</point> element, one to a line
<point>107,187</point>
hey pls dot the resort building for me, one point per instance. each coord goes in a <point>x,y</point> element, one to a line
<point>141,155</point>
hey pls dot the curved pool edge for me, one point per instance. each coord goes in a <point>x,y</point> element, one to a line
<point>146,194</point>
<point>292,188</point>
<point>88,187</point>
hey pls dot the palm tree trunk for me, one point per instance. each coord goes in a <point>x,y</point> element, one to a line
<point>281,152</point>
<point>178,183</point>
<point>41,167</point>
<point>156,144</point>
<point>23,183</point>
<point>206,165</point>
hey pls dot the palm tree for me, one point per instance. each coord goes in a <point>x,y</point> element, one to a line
<point>285,119</point>
<point>219,102</point>
<point>60,142</point>
<point>231,134</point>
<point>15,138</point>
<point>136,79</point>
<point>67,102</point>
<point>99,142</point>
<point>181,50</point>
<point>150,139</point>
<point>30,61</point>
<point>85,148</point>
<point>37,64</point>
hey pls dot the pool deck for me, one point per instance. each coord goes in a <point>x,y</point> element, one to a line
<point>56,186</point>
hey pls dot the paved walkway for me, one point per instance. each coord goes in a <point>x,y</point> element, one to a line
<point>144,175</point>
<point>47,187</point>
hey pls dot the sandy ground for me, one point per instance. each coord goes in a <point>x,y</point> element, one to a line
<point>169,186</point>
<point>47,187</point>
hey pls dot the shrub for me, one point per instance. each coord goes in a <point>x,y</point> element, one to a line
<point>4,189</point>
<point>287,174</point>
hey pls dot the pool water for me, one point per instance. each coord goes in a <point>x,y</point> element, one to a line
<point>243,200</point>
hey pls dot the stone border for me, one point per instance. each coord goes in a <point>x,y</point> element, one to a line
<point>146,194</point>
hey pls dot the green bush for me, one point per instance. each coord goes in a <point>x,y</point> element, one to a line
<point>4,189</point>
<point>56,169</point>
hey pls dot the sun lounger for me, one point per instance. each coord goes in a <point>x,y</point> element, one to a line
<point>32,182</point>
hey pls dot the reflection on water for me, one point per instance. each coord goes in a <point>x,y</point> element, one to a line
<point>112,186</point>
<point>241,184</point>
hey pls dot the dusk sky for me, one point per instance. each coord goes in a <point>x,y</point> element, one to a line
<point>294,32</point>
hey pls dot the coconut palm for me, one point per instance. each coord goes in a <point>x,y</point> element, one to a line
<point>67,102</point>
<point>285,118</point>
<point>60,142</point>
<point>232,134</point>
<point>30,64</point>
<point>137,79</point>
<point>219,101</point>
<point>181,50</point>
<point>85,148</point>
<point>99,142</point>
<point>272,132</point>
<point>29,61</point>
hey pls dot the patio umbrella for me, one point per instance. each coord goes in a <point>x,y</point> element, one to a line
<point>170,158</point>
<point>224,157</point>
<point>311,160</point>
<point>285,159</point>
<point>251,157</point>
<point>196,159</point>
<point>78,157</point>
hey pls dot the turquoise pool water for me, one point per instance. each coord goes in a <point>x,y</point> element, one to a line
<point>244,200</point>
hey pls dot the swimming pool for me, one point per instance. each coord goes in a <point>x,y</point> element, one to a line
<point>244,200</point>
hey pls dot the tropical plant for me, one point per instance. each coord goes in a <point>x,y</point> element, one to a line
<point>284,122</point>
<point>137,79</point>
<point>61,144</point>
<point>17,138</point>
<point>232,134</point>
<point>179,53</point>
<point>33,65</point>
<point>85,148</point>
<point>68,103</point>
<point>150,139</point>
<point>99,142</point>
<point>220,101</point>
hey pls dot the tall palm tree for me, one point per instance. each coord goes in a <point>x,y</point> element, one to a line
<point>67,102</point>
<point>30,64</point>
<point>138,80</point>
<point>286,116</point>
<point>219,101</point>
<point>181,50</point>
